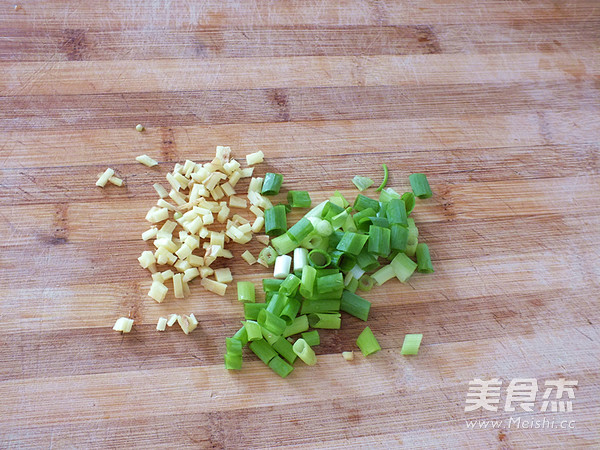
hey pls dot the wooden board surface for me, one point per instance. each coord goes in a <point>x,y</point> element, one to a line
<point>497,101</point>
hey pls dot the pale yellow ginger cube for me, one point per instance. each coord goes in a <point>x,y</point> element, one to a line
<point>123,324</point>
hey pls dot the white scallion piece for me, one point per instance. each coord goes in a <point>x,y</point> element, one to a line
<point>300,258</point>
<point>282,266</point>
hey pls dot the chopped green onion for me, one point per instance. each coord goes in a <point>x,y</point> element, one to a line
<point>263,350</point>
<point>251,310</point>
<point>367,343</point>
<point>271,284</point>
<point>355,305</point>
<point>365,283</point>
<point>398,237</point>
<point>307,282</point>
<point>364,202</point>
<point>271,322</point>
<point>289,287</point>
<point>246,292</point>
<point>384,274</point>
<point>331,210</point>
<point>330,283</point>
<point>385,178</point>
<point>339,220</point>
<point>409,201</point>
<point>282,267</point>
<point>362,183</point>
<point>284,243</point>
<point>299,325</point>
<point>290,311</point>
<point>349,225</point>
<point>424,259</point>
<point>312,338</point>
<point>412,239</point>
<point>356,272</point>
<point>299,199</point>
<point>313,241</point>
<point>332,321</point>
<point>352,243</point>
<point>241,335</point>
<point>396,212</point>
<point>335,238</point>
<point>300,259</point>
<point>379,240</point>
<point>359,217</point>
<point>285,349</point>
<point>300,230</point>
<point>339,199</point>
<point>268,256</point>
<point>280,367</point>
<point>325,272</point>
<point>276,303</point>
<point>233,362</point>
<point>420,185</point>
<point>234,346</point>
<point>304,352</point>
<point>352,285</point>
<point>320,306</point>
<point>411,344</point>
<point>271,183</point>
<point>403,267</point>
<point>253,330</point>
<point>387,194</point>
<point>324,227</point>
<point>319,258</point>
<point>344,261</point>
<point>366,261</point>
<point>380,221</point>
<point>275,220</point>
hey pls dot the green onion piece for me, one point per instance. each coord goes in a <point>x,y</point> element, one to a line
<point>251,310</point>
<point>275,220</point>
<point>276,304</point>
<point>365,283</point>
<point>331,321</point>
<point>420,185</point>
<point>246,292</point>
<point>299,199</point>
<point>335,238</point>
<point>280,367</point>
<point>424,259</point>
<point>288,208</point>
<point>241,335</point>
<point>299,325</point>
<point>384,274</point>
<point>234,346</point>
<point>304,352</point>
<point>352,243</point>
<point>398,237</point>
<point>409,201</point>
<point>268,255</point>
<point>263,350</point>
<point>349,225</point>
<point>379,240</point>
<point>290,311</point>
<point>364,202</point>
<point>271,284</point>
<point>367,343</point>
<point>412,239</point>
<point>382,210</point>
<point>325,272</point>
<point>271,183</point>
<point>320,306</point>
<point>307,282</point>
<point>385,178</point>
<point>396,212</point>
<point>352,285</point>
<point>284,243</point>
<point>339,220</point>
<point>330,283</point>
<point>233,362</point>
<point>362,183</point>
<point>319,258</point>
<point>367,261</point>
<point>387,194</point>
<point>271,322</point>
<point>312,338</point>
<point>403,267</point>
<point>330,210</point>
<point>339,199</point>
<point>269,336</point>
<point>289,287</point>
<point>365,213</point>
<point>253,330</point>
<point>411,344</point>
<point>285,349</point>
<point>344,261</point>
<point>300,230</point>
<point>324,227</point>
<point>355,305</point>
<point>380,221</point>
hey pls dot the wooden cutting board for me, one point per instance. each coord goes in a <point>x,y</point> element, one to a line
<point>498,102</point>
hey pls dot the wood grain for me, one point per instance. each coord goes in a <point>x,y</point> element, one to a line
<point>497,101</point>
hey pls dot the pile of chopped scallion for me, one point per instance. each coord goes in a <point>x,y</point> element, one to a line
<point>338,249</point>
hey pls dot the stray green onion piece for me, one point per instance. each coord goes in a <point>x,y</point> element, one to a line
<point>367,343</point>
<point>246,292</point>
<point>304,352</point>
<point>319,258</point>
<point>411,344</point>
<point>420,185</point>
<point>312,338</point>
<point>280,367</point>
<point>299,199</point>
<point>362,183</point>
<point>423,259</point>
<point>268,256</point>
<point>139,127</point>
<point>275,220</point>
<point>385,178</point>
<point>271,183</point>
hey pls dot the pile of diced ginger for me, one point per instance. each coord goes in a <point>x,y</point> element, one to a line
<point>204,198</point>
